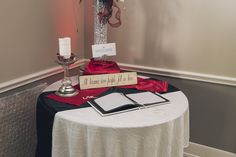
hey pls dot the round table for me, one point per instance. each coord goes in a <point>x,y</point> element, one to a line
<point>160,131</point>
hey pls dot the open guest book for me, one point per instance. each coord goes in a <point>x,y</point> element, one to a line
<point>117,102</point>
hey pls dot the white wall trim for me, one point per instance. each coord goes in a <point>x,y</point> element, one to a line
<point>198,150</point>
<point>11,84</point>
<point>181,74</point>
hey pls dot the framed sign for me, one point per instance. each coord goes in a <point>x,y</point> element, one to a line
<point>107,80</point>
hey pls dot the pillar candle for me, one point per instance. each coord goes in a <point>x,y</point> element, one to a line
<point>65,47</point>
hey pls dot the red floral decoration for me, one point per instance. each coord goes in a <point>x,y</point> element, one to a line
<point>106,13</point>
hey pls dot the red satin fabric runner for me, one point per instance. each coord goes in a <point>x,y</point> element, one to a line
<point>149,85</point>
<point>101,67</point>
<point>152,85</point>
<point>79,99</point>
<point>86,95</point>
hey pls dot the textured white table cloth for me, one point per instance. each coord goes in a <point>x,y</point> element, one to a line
<point>161,131</point>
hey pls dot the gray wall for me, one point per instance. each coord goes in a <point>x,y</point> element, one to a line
<point>29,33</point>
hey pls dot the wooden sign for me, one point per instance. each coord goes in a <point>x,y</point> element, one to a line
<point>107,80</point>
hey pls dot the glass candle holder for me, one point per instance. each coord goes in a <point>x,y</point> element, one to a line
<point>66,89</point>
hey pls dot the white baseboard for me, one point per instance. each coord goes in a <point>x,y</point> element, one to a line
<point>181,74</point>
<point>198,150</point>
<point>21,81</point>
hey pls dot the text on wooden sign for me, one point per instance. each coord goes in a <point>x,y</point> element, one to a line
<point>107,80</point>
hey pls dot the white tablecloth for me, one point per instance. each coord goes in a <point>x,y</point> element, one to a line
<point>161,131</point>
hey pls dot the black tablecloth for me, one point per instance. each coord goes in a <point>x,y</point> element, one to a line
<point>46,110</point>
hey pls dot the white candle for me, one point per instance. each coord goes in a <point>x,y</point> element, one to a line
<point>65,47</point>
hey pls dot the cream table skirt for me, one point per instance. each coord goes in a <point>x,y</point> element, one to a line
<point>161,131</point>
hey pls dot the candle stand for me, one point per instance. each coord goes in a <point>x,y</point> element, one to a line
<point>66,89</point>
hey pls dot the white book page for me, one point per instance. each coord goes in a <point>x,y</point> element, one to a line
<point>112,101</point>
<point>145,98</point>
